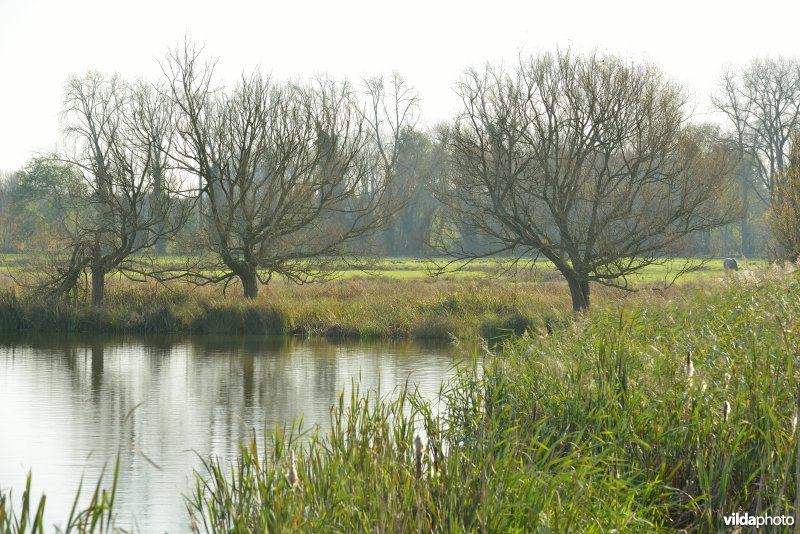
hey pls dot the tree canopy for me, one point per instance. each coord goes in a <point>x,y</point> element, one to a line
<point>587,161</point>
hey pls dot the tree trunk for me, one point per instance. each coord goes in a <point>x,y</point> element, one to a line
<point>747,249</point>
<point>579,291</point>
<point>98,286</point>
<point>249,283</point>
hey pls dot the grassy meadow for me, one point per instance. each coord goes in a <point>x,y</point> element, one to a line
<point>364,307</point>
<point>399,268</point>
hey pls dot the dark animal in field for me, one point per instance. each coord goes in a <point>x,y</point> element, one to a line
<point>730,265</point>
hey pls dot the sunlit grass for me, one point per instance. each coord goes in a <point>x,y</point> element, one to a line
<point>400,268</point>
<point>405,274</point>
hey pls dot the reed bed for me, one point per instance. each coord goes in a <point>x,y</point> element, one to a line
<point>654,418</point>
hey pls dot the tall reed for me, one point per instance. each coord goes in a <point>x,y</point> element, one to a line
<point>591,429</point>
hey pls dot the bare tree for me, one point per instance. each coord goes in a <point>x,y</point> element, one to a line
<point>152,132</point>
<point>391,113</point>
<point>584,160</point>
<point>762,104</point>
<point>421,167</point>
<point>117,135</point>
<point>286,181</point>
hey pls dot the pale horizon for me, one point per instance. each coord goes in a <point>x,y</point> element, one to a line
<point>42,43</point>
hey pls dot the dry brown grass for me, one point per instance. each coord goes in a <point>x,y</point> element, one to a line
<point>365,307</point>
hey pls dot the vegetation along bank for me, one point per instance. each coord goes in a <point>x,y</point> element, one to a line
<point>645,416</point>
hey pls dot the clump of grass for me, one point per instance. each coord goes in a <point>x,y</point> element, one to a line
<point>240,317</point>
<point>439,328</point>
<point>506,326</point>
<point>371,472</point>
<point>10,319</point>
<point>620,380</point>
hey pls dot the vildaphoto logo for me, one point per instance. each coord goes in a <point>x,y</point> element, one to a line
<point>758,521</point>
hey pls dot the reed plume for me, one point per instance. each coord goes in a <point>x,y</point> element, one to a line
<point>689,365</point>
<point>292,475</point>
<point>418,456</point>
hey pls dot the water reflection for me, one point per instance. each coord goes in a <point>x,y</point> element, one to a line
<point>68,404</point>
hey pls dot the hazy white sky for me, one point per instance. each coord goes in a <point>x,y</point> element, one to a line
<point>429,42</point>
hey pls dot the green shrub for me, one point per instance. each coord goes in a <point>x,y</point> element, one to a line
<point>506,326</point>
<point>240,317</point>
<point>10,318</point>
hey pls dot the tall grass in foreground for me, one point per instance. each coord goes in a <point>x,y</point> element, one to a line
<point>362,476</point>
<point>96,517</point>
<point>595,428</point>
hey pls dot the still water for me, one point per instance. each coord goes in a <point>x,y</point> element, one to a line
<point>67,406</point>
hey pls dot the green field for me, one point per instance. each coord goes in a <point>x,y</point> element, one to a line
<point>543,269</point>
<point>411,268</point>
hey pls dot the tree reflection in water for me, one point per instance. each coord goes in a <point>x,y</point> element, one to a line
<point>70,402</point>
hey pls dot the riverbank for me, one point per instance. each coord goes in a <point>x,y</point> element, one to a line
<point>398,300</point>
<point>356,308</point>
